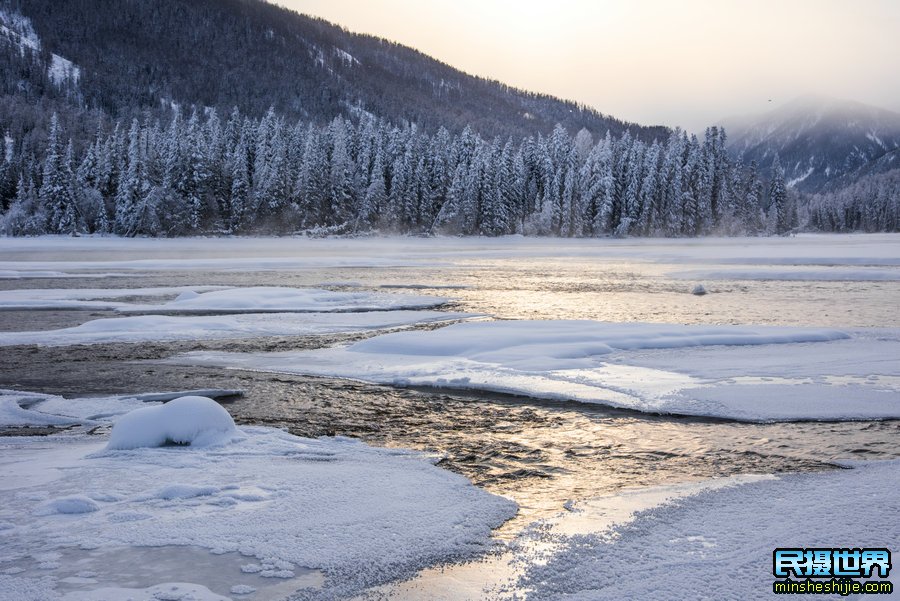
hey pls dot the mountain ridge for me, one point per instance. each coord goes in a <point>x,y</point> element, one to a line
<point>256,55</point>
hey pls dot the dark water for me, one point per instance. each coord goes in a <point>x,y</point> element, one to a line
<point>539,453</point>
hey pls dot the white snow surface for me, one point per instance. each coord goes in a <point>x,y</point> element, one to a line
<point>215,299</point>
<point>718,544</point>
<point>215,327</point>
<point>36,409</point>
<point>87,298</point>
<point>263,299</point>
<point>64,253</point>
<point>745,373</point>
<point>821,274</point>
<point>62,69</point>
<point>16,410</point>
<point>46,275</point>
<point>360,515</point>
<point>195,421</point>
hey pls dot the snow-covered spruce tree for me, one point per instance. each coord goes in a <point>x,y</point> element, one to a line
<point>25,216</point>
<point>131,186</point>
<point>779,220</point>
<point>56,191</point>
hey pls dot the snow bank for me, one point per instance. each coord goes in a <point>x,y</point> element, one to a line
<point>191,420</point>
<point>219,327</point>
<point>69,505</point>
<point>287,505</point>
<point>718,543</point>
<point>736,372</point>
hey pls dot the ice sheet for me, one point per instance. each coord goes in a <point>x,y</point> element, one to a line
<point>215,300</point>
<point>63,253</point>
<point>794,373</point>
<point>719,543</point>
<point>172,328</point>
<point>359,514</point>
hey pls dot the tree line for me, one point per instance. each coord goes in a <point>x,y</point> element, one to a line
<point>199,173</point>
<point>871,204</point>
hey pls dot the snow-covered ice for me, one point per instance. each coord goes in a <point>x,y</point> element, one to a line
<point>807,274</point>
<point>216,327</point>
<point>86,298</point>
<point>265,299</point>
<point>359,515</point>
<point>45,275</point>
<point>63,253</point>
<point>215,299</point>
<point>738,372</point>
<point>718,543</point>
<point>36,409</point>
<point>16,410</point>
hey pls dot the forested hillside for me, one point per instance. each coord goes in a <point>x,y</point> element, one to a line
<point>135,56</point>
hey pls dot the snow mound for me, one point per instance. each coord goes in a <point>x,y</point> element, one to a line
<point>747,373</point>
<point>242,589</point>
<point>69,505</point>
<point>189,420</point>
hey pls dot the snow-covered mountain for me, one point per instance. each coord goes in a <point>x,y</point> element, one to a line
<point>17,33</point>
<point>130,57</point>
<point>818,139</point>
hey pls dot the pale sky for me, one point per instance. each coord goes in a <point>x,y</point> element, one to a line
<point>674,62</point>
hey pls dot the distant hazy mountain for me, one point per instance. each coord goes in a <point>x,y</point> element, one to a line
<point>819,140</point>
<point>130,55</point>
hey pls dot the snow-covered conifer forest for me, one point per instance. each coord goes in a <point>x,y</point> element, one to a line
<point>206,174</point>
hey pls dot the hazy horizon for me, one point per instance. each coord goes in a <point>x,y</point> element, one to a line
<point>689,64</point>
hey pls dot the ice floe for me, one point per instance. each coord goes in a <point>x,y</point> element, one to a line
<point>215,300</point>
<point>823,274</point>
<point>358,515</point>
<point>718,543</point>
<point>7,274</point>
<point>86,298</point>
<point>18,409</point>
<point>737,372</point>
<point>264,299</point>
<point>217,327</point>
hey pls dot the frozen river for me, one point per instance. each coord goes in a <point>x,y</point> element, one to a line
<point>542,454</point>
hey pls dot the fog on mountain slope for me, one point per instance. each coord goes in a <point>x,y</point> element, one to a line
<point>818,140</point>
